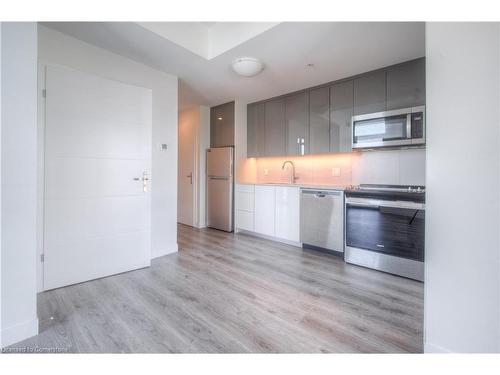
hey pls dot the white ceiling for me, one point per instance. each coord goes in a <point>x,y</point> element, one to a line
<point>208,25</point>
<point>336,49</point>
<point>208,39</point>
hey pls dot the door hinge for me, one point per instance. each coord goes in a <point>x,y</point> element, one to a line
<point>44,93</point>
<point>42,258</point>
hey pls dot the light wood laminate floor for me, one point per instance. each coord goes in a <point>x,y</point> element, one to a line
<point>234,293</point>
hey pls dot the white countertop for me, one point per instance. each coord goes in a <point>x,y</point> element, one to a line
<point>304,186</point>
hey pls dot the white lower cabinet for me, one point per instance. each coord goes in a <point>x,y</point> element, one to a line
<point>245,220</point>
<point>265,209</point>
<point>287,216</point>
<point>245,207</point>
<point>269,210</point>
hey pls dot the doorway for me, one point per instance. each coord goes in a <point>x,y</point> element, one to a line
<point>193,141</point>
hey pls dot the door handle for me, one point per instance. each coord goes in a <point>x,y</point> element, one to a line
<point>144,180</point>
<point>190,176</point>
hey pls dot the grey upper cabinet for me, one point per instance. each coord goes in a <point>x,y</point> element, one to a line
<point>297,124</point>
<point>406,85</point>
<point>370,93</point>
<point>256,130</point>
<point>319,120</point>
<point>321,116</point>
<point>275,130</point>
<point>222,125</point>
<point>341,111</point>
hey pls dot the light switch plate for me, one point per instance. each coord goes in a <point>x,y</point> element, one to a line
<point>336,172</point>
<point>266,171</point>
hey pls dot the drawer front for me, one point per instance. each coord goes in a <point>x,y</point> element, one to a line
<point>245,201</point>
<point>245,188</point>
<point>245,220</point>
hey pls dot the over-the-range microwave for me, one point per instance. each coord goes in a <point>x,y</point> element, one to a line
<point>401,127</point>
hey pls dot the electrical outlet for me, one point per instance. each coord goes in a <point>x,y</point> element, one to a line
<point>266,171</point>
<point>336,172</point>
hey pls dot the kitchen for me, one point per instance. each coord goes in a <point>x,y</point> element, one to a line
<point>250,187</point>
<point>338,168</point>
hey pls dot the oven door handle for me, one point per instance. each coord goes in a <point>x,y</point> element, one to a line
<point>367,205</point>
<point>375,203</point>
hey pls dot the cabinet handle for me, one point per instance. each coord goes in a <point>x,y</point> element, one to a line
<point>301,145</point>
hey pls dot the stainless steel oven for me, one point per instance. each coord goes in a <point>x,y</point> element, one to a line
<point>402,127</point>
<point>385,230</point>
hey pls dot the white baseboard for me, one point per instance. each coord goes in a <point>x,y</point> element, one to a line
<point>432,348</point>
<point>19,332</point>
<point>156,253</point>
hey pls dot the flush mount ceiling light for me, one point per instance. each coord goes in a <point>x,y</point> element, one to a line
<point>247,66</point>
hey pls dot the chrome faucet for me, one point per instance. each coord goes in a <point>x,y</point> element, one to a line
<point>292,176</point>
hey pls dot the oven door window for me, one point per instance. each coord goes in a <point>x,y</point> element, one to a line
<point>392,231</point>
<point>381,129</point>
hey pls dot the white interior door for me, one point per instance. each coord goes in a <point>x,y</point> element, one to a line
<point>97,150</point>
<point>186,178</point>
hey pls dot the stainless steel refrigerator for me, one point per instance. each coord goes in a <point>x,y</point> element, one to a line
<point>220,188</point>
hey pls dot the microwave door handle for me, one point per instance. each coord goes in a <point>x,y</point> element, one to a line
<point>408,125</point>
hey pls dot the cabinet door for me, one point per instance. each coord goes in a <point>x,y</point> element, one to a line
<point>319,120</point>
<point>341,110</point>
<point>406,85</point>
<point>297,123</point>
<point>265,206</point>
<point>222,125</point>
<point>256,130</point>
<point>275,128</point>
<point>370,93</point>
<point>288,213</point>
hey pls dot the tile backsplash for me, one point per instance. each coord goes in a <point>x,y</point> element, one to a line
<point>400,167</point>
<point>395,167</point>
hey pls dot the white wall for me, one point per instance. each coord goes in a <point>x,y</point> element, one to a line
<point>60,49</point>
<point>18,180</point>
<point>463,183</point>
<point>240,147</point>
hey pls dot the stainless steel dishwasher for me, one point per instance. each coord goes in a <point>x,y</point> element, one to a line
<point>322,220</point>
